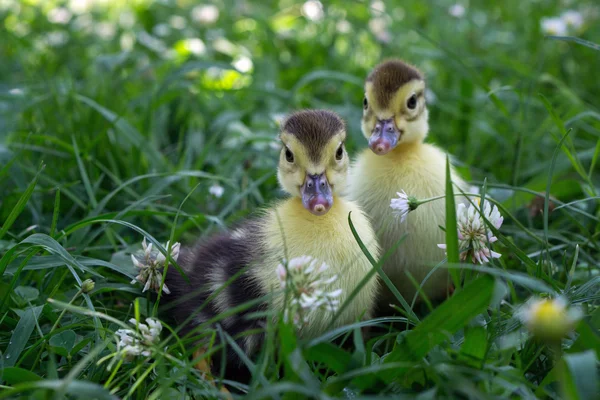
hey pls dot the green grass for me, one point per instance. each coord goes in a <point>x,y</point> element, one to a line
<point>106,139</point>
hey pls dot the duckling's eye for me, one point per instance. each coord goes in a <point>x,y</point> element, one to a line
<point>289,156</point>
<point>412,102</point>
<point>340,152</point>
<point>365,103</point>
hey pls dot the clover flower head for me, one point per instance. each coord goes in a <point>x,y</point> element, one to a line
<point>403,204</point>
<point>310,287</point>
<point>131,343</point>
<point>151,264</point>
<point>474,237</point>
<point>549,319</point>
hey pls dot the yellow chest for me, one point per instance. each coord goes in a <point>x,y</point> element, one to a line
<point>420,171</point>
<point>290,231</point>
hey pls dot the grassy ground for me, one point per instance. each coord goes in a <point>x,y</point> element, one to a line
<point>115,121</point>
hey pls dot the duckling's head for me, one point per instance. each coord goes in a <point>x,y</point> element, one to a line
<point>313,163</point>
<point>394,106</point>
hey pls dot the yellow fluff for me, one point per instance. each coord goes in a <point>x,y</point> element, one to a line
<point>327,238</point>
<point>418,169</point>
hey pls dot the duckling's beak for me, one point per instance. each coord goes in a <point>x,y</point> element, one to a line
<point>316,194</point>
<point>384,137</point>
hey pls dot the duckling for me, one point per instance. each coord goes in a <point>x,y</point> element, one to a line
<point>313,221</point>
<point>395,121</point>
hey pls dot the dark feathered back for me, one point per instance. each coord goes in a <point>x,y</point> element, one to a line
<point>388,77</point>
<point>314,129</point>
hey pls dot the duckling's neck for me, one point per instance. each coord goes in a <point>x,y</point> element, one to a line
<point>402,149</point>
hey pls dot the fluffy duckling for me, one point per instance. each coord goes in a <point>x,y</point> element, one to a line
<point>395,121</point>
<point>313,221</point>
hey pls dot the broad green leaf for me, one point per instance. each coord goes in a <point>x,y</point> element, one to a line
<point>444,321</point>
<point>24,294</point>
<point>15,375</point>
<point>21,335</point>
<point>65,340</point>
<point>330,356</point>
<point>77,389</point>
<point>582,380</point>
<point>475,345</point>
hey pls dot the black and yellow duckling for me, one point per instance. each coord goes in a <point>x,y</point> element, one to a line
<point>313,222</point>
<point>395,121</point>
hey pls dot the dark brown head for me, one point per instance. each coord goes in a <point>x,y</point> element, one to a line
<point>313,161</point>
<point>394,106</point>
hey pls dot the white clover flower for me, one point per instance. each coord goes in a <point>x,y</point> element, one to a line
<point>379,28</point>
<point>205,14</point>
<point>403,205</point>
<point>430,96</point>
<point>457,10</point>
<point>554,26</point>
<point>57,38</point>
<point>216,190</point>
<point>313,10</point>
<point>105,30</point>
<point>573,19</point>
<point>243,64</point>
<point>131,344</point>
<point>310,288</point>
<point>473,236</point>
<point>177,22</point>
<point>195,46</point>
<point>151,266</point>
<point>549,319</point>
<point>59,15</point>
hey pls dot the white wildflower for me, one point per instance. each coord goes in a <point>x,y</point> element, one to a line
<point>310,288</point>
<point>474,237</point>
<point>430,96</point>
<point>343,26</point>
<point>80,6</point>
<point>403,205</point>
<point>127,41</point>
<point>151,265</point>
<point>313,10</point>
<point>57,38</point>
<point>573,19</point>
<point>195,46</point>
<point>126,19</point>
<point>177,22</point>
<point>216,190</point>
<point>554,26</point>
<point>105,30</point>
<point>379,28</point>
<point>59,15</point>
<point>161,30</point>
<point>549,319</point>
<point>457,10</point>
<point>205,14</point>
<point>131,344</point>
<point>243,64</point>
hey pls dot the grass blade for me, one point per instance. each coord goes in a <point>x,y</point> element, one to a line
<point>452,249</point>
<point>20,206</point>
<point>21,335</point>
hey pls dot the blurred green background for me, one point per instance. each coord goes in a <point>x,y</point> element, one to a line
<point>164,115</point>
<point>143,87</point>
